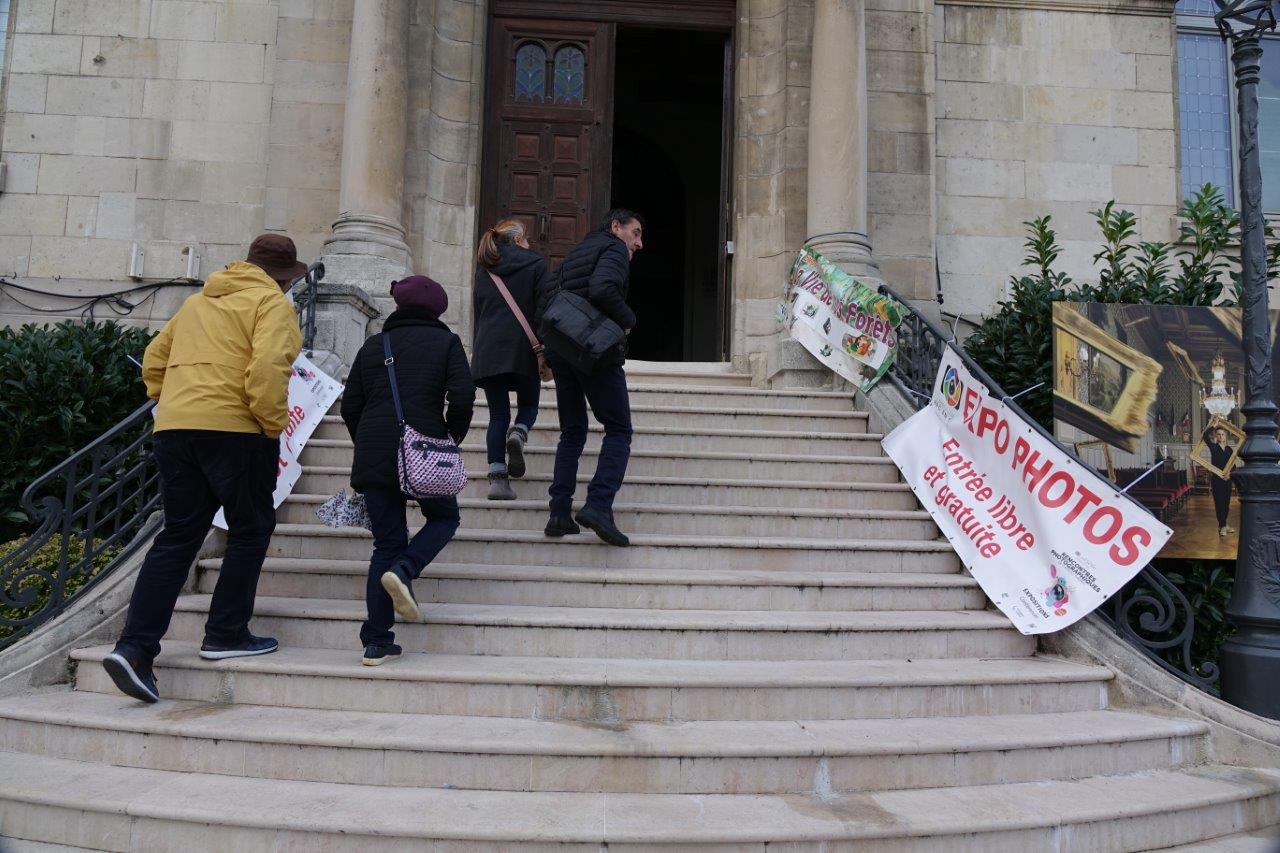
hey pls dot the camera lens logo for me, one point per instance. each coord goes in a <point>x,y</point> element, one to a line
<point>952,387</point>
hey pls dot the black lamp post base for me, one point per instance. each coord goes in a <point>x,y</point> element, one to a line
<point>1250,664</point>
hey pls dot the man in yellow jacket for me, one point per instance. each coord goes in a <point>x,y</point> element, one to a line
<point>219,371</point>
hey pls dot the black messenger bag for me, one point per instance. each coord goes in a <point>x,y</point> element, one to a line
<point>581,334</point>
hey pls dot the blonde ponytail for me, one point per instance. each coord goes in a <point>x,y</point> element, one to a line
<point>488,254</point>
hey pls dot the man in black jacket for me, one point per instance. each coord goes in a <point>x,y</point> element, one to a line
<point>598,269</point>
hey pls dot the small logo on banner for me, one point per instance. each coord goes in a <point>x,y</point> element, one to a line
<point>952,387</point>
<point>1057,595</point>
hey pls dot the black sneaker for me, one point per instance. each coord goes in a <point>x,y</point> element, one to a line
<point>376,654</point>
<point>516,438</point>
<point>247,649</point>
<point>131,677</point>
<point>396,582</point>
<point>561,525</point>
<point>602,523</point>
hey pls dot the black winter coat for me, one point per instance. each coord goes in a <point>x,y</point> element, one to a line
<point>500,346</point>
<point>430,366</point>
<point>598,268</point>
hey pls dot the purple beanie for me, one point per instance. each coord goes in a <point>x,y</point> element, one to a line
<point>420,293</point>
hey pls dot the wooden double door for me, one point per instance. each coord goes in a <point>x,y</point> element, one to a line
<point>548,140</point>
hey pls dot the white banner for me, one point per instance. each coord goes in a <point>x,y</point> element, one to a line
<point>311,393</point>
<point>1046,539</point>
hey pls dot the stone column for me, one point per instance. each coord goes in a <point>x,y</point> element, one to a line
<point>837,212</point>
<point>367,247</point>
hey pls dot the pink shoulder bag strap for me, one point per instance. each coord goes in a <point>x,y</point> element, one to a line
<point>544,372</point>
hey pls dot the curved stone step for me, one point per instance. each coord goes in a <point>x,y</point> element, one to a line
<point>698,491</point>
<point>673,519</point>
<point>507,754</point>
<point>104,807</point>
<point>546,434</point>
<point>1263,841</point>
<point>691,416</point>
<point>531,547</point>
<point>611,691</point>
<point>873,468</point>
<point>664,589</point>
<point>471,629</point>
<point>679,391</point>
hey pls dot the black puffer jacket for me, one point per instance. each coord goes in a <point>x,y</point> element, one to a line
<point>599,268</point>
<point>430,366</point>
<point>500,346</point>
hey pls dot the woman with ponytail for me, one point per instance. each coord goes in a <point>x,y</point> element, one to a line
<point>503,359</point>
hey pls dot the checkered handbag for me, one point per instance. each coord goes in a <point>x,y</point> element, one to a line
<point>428,467</point>
<point>343,510</point>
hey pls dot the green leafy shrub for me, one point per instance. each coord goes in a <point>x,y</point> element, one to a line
<point>1015,344</point>
<point>46,559</point>
<point>63,386</point>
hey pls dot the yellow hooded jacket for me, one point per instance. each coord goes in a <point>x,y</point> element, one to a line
<point>223,362</point>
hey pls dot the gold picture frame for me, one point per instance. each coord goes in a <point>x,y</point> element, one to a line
<point>1200,453</point>
<point>1081,446</point>
<point>1128,420</point>
<point>1186,366</point>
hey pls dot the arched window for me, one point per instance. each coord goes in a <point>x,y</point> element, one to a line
<point>571,76</point>
<point>531,73</point>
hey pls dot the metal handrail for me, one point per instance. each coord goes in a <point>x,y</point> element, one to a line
<point>1149,607</point>
<point>306,299</point>
<point>98,505</point>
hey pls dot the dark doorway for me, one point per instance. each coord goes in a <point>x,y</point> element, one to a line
<point>668,163</point>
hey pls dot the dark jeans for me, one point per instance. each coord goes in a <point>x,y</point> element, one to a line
<point>497,390</point>
<point>201,470</point>
<point>606,392</point>
<point>1221,498</point>
<point>392,545</point>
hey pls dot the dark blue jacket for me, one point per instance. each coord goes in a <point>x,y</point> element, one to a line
<point>599,268</point>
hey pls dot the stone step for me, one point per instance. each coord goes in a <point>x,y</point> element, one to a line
<point>684,439</point>
<point>684,491</point>
<point>474,629</point>
<point>506,754</point>
<point>672,519</point>
<point>706,415</point>
<point>616,691</point>
<point>531,547</point>
<point>651,392</point>
<point>704,374</point>
<point>671,463</point>
<point>105,807</point>
<point>692,589</point>
<point>1263,841</point>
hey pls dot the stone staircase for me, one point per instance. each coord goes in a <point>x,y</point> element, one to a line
<point>786,659</point>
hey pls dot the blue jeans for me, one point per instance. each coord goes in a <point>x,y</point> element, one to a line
<point>392,545</point>
<point>497,390</point>
<point>606,392</point>
<point>201,470</point>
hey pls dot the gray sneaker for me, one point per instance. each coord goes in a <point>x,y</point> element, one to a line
<point>500,488</point>
<point>516,437</point>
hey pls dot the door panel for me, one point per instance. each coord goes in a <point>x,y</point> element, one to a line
<point>548,140</point>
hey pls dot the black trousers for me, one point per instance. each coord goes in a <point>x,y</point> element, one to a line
<point>1221,498</point>
<point>200,471</point>
<point>606,393</point>
<point>392,545</point>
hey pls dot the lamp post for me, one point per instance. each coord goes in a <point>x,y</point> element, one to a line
<point>1250,660</point>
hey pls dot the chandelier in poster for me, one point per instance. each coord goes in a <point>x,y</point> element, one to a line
<point>1047,540</point>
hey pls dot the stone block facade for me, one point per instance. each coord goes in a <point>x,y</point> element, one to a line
<point>173,122</point>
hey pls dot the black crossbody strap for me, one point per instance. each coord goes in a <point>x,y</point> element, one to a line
<point>390,362</point>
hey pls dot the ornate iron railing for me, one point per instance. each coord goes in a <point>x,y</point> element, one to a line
<point>1150,612</point>
<point>94,511</point>
<point>306,298</point>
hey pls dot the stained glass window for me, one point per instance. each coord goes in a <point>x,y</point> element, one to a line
<point>1204,106</point>
<point>531,73</point>
<point>571,76</point>
<point>1269,125</point>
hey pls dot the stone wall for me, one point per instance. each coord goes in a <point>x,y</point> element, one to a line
<point>1048,112</point>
